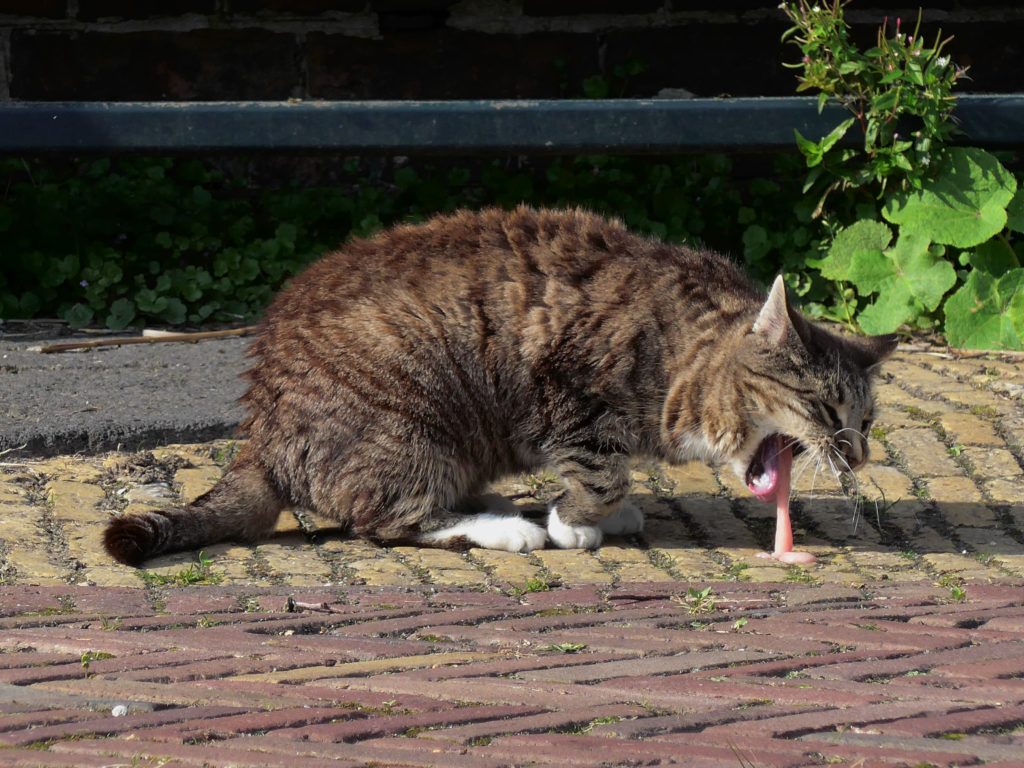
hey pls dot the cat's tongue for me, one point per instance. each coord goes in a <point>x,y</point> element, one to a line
<point>766,469</point>
<point>777,458</point>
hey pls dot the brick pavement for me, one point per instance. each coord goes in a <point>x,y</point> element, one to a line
<point>903,646</point>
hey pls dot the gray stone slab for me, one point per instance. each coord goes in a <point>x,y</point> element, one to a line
<point>132,397</point>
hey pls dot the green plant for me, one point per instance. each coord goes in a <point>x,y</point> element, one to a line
<point>141,240</point>
<point>613,85</point>
<point>564,647</point>
<point>923,236</point>
<point>898,82</point>
<point>797,575</point>
<point>197,573</point>
<point>90,656</point>
<point>540,583</point>
<point>697,601</point>
<point>955,585</point>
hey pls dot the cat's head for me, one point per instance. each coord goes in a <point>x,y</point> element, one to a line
<point>803,386</point>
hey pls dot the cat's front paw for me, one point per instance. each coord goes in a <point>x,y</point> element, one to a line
<point>572,536</point>
<point>628,519</point>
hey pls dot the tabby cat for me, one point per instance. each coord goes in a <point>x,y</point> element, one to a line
<point>398,376</point>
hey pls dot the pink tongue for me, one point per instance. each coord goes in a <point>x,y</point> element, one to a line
<point>766,486</point>
<point>783,526</point>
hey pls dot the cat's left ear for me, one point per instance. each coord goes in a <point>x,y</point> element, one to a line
<point>777,318</point>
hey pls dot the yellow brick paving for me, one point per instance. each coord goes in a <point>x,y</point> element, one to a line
<point>942,499</point>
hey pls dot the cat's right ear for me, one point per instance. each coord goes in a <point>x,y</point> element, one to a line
<point>777,318</point>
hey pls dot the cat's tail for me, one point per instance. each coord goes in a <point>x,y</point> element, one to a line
<point>243,505</point>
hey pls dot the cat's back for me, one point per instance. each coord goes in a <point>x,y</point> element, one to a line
<point>464,254</point>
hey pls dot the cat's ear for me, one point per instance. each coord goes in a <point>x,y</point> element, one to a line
<point>874,349</point>
<point>777,318</point>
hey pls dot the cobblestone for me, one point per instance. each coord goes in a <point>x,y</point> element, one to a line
<point>906,631</point>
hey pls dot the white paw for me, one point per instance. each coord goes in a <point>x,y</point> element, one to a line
<point>627,520</point>
<point>572,536</point>
<point>510,533</point>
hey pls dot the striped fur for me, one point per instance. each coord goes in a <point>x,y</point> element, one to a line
<point>401,374</point>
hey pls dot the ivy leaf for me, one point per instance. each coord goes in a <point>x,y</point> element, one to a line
<point>122,312</point>
<point>755,243</point>
<point>174,313</point>
<point>1015,212</point>
<point>867,237</point>
<point>914,282</point>
<point>987,313</point>
<point>79,316</point>
<point>963,206</point>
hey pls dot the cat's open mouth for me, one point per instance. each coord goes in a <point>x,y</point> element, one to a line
<point>763,474</point>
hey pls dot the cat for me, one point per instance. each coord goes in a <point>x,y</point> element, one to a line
<point>398,376</point>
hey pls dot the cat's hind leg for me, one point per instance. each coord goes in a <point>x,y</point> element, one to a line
<point>489,530</point>
<point>415,493</point>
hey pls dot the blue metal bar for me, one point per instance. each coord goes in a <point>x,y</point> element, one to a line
<point>663,126</point>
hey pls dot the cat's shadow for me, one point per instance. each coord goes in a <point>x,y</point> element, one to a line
<point>908,528</point>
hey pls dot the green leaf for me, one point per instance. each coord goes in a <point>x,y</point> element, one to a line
<point>927,275</point>
<point>755,243</point>
<point>870,271</point>
<point>78,316</point>
<point>963,206</point>
<point>596,87</point>
<point>912,284</point>
<point>122,312</point>
<point>286,233</point>
<point>987,313</point>
<point>174,313</point>
<point>870,237</point>
<point>1015,212</point>
<point>809,149</point>
<point>835,135</point>
<point>995,257</point>
<point>29,304</point>
<point>200,196</point>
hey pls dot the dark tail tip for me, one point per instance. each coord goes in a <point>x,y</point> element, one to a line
<point>130,539</point>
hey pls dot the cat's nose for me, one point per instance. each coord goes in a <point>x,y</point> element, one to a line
<point>855,452</point>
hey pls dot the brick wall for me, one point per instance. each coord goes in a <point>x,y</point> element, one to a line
<point>439,49</point>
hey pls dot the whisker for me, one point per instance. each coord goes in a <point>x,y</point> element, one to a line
<point>851,429</point>
<point>857,498</point>
<point>779,452</point>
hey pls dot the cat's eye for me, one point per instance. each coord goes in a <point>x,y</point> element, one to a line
<point>833,416</point>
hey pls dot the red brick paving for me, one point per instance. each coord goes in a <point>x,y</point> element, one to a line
<point>421,676</point>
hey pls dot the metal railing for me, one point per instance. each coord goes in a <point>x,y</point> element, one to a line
<point>624,126</point>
